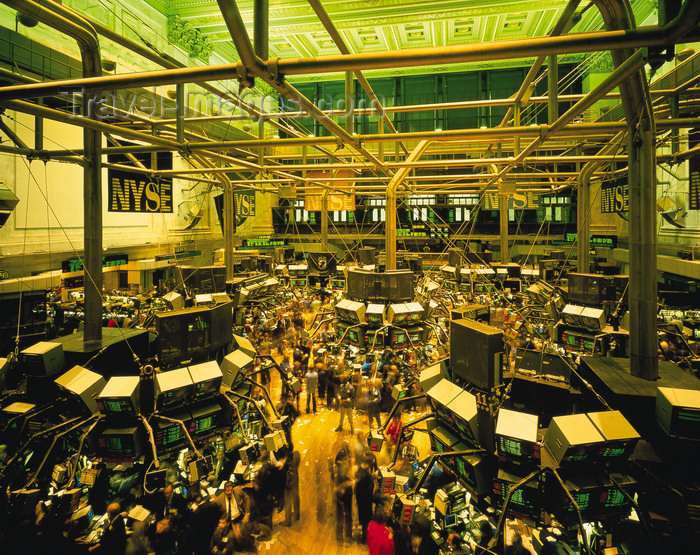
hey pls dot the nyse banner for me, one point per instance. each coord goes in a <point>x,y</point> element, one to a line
<point>516,201</point>
<point>614,196</point>
<point>136,192</point>
<point>340,202</point>
<point>694,171</point>
<point>129,192</point>
<point>244,203</point>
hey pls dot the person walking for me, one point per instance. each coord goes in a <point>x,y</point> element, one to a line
<point>347,396</point>
<point>311,378</point>
<point>374,398</point>
<point>290,466</point>
<point>364,492</point>
<point>342,494</point>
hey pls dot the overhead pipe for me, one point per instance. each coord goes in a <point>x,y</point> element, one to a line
<point>391,194</point>
<point>239,34</point>
<point>583,208</point>
<point>636,102</point>
<point>57,17</point>
<point>250,65</point>
<point>19,143</point>
<point>618,76</point>
<point>57,115</point>
<point>89,124</point>
<point>524,89</point>
<point>405,108</point>
<point>167,62</point>
<point>337,38</point>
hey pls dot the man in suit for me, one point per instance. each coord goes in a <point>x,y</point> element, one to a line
<point>234,503</point>
<point>291,489</point>
<point>171,504</point>
<point>364,492</point>
<point>347,397</point>
<point>235,507</point>
<point>113,539</point>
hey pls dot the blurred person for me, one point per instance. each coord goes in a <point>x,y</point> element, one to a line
<point>311,379</point>
<point>234,503</point>
<point>113,539</point>
<point>516,547</point>
<point>393,432</point>
<point>290,466</point>
<point>374,399</point>
<point>486,530</point>
<point>342,493</point>
<point>347,396</point>
<point>364,493</point>
<point>380,538</point>
<point>223,539</point>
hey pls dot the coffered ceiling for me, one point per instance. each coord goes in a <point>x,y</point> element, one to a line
<point>379,25</point>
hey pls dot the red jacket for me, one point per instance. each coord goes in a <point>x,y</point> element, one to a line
<point>380,539</point>
<point>394,431</point>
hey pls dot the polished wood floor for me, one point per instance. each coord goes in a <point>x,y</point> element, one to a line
<point>314,437</point>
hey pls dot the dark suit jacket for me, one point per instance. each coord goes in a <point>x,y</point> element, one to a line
<point>363,494</point>
<point>241,498</point>
<point>291,468</point>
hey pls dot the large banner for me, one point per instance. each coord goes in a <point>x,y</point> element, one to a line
<point>137,192</point>
<point>335,201</point>
<point>516,201</point>
<point>244,202</point>
<point>314,203</point>
<point>694,172</point>
<point>615,196</point>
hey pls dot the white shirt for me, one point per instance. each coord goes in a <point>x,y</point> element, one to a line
<point>232,507</point>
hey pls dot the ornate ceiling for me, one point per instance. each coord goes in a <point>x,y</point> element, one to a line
<point>295,31</point>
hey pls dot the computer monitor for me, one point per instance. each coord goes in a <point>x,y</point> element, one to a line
<point>450,521</point>
<point>207,378</point>
<point>398,314</point>
<point>206,419</point>
<point>416,334</point>
<point>620,437</point>
<point>45,358</point>
<point>573,440</point>
<point>374,315</point>
<point>173,388</point>
<point>596,495</point>
<point>463,416</point>
<point>170,434</point>
<point>351,311</point>
<point>398,339</point>
<point>120,396</point>
<point>442,439</point>
<point>525,502</point>
<point>439,397</point>
<point>472,472</point>
<point>415,312</point>
<point>356,337</point>
<point>516,437</point>
<point>120,443</point>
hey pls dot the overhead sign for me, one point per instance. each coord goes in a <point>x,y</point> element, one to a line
<point>108,261</point>
<point>516,201</point>
<point>182,255</point>
<point>334,202</point>
<point>136,192</point>
<point>615,196</point>
<point>694,171</point>
<point>263,243</point>
<point>244,202</point>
